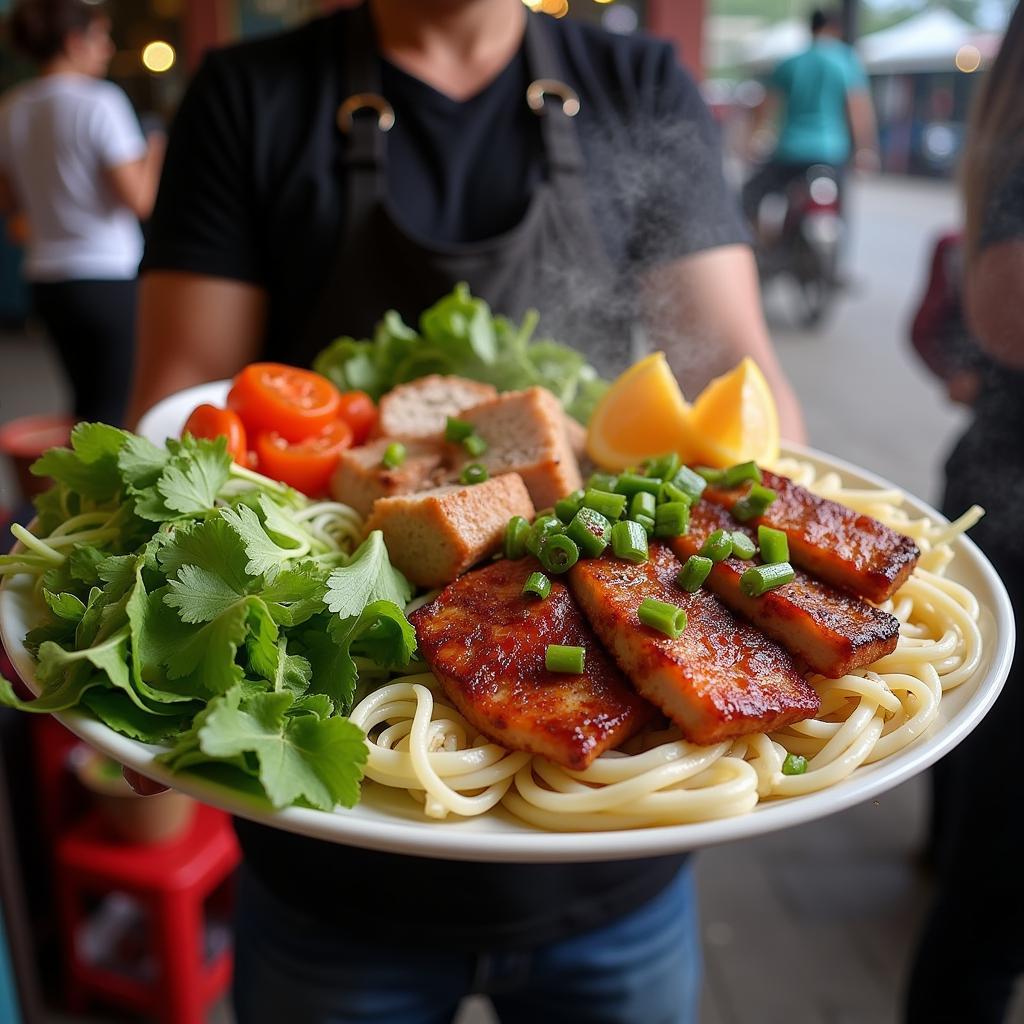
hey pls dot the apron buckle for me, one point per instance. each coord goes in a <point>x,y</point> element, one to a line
<point>537,91</point>
<point>366,101</point>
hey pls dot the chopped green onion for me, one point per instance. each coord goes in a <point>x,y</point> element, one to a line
<point>743,546</point>
<point>794,764</point>
<point>558,658</point>
<point>718,546</point>
<point>754,504</point>
<point>669,619</point>
<point>711,475</point>
<point>632,483</point>
<point>543,527</point>
<point>394,455</point>
<point>516,532</point>
<point>602,482</point>
<point>663,466</point>
<point>474,473</point>
<point>643,504</point>
<point>475,444</point>
<point>609,505</point>
<point>694,572</point>
<point>456,430</point>
<point>740,473</point>
<point>558,554</point>
<point>591,531</point>
<point>759,579</point>
<point>568,506</point>
<point>629,541</point>
<point>537,585</point>
<point>774,545</point>
<point>669,492</point>
<point>672,519</point>
<point>647,522</point>
<point>690,483</point>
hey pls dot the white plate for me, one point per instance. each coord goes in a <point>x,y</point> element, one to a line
<point>389,820</point>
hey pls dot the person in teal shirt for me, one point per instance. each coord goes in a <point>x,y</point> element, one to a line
<point>826,115</point>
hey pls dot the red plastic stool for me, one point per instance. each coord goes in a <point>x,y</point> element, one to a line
<point>171,881</point>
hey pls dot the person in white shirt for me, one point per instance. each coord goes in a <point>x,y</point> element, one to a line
<point>74,161</point>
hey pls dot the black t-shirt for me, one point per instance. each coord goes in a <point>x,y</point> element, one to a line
<point>251,192</point>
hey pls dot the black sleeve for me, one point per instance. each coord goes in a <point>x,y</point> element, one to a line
<point>1004,218</point>
<point>206,218</point>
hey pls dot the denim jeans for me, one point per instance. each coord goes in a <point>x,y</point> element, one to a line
<point>644,967</point>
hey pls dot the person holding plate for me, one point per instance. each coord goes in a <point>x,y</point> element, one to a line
<point>370,161</point>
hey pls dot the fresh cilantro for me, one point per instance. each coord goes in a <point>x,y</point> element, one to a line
<point>89,466</point>
<point>64,606</point>
<point>368,577</point>
<point>265,556</point>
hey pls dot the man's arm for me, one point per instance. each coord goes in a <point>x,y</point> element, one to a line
<point>994,284</point>
<point>192,328</point>
<point>704,311</point>
<point>860,110</point>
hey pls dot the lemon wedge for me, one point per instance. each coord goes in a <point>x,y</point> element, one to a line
<point>734,419</point>
<point>641,415</point>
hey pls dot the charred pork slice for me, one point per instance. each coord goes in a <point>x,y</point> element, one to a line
<point>851,551</point>
<point>486,643</point>
<point>830,631</point>
<point>721,678</point>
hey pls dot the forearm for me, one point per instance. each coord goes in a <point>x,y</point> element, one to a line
<point>995,283</point>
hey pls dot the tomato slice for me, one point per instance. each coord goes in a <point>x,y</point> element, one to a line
<point>211,422</point>
<point>306,465</point>
<point>359,412</point>
<point>291,402</point>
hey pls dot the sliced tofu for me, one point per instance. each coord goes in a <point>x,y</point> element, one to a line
<point>486,644</point>
<point>422,407</point>
<point>526,434</point>
<point>721,678</point>
<point>436,535</point>
<point>361,479</point>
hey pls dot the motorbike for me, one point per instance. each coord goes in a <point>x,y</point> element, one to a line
<point>799,233</point>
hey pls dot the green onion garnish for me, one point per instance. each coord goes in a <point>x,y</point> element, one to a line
<point>643,503</point>
<point>558,658</point>
<point>602,481</point>
<point>740,473</point>
<point>591,531</point>
<point>672,519</point>
<point>609,505</point>
<point>394,455</point>
<point>711,475</point>
<point>543,527</point>
<point>629,541</point>
<point>647,522</point>
<point>794,764</point>
<point>568,506</point>
<point>516,532</point>
<point>759,579</point>
<point>690,483</point>
<point>474,473</point>
<point>537,585</point>
<point>669,619</point>
<point>558,553</point>
<point>663,466</point>
<point>773,543</point>
<point>456,430</point>
<point>669,492</point>
<point>743,546</point>
<point>755,503</point>
<point>632,483</point>
<point>474,444</point>
<point>718,546</point>
<point>694,572</point>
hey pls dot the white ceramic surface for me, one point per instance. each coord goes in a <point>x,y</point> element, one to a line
<point>390,820</point>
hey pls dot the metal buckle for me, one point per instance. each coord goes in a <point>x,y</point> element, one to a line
<point>362,101</point>
<point>543,87</point>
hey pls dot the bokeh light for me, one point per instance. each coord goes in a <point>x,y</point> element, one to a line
<point>158,56</point>
<point>968,58</point>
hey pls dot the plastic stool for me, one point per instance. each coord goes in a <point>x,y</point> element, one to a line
<point>171,881</point>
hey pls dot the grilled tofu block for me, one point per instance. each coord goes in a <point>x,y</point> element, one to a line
<point>486,644</point>
<point>361,479</point>
<point>720,679</point>
<point>829,631</point>
<point>422,407</point>
<point>851,551</point>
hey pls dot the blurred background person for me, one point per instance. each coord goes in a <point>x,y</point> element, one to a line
<point>972,948</point>
<point>74,163</point>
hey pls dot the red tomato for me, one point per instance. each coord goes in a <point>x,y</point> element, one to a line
<point>293,403</point>
<point>306,465</point>
<point>209,421</point>
<point>359,412</point>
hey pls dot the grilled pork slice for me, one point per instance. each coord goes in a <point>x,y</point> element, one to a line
<point>721,678</point>
<point>851,551</point>
<point>422,407</point>
<point>831,632</point>
<point>486,644</point>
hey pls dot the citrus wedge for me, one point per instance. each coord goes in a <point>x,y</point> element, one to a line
<point>734,419</point>
<point>642,414</point>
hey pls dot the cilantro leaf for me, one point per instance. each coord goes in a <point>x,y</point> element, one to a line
<point>119,712</point>
<point>141,462</point>
<point>64,606</point>
<point>265,556</point>
<point>191,486</point>
<point>89,466</point>
<point>211,545</point>
<point>368,577</point>
<point>200,595</point>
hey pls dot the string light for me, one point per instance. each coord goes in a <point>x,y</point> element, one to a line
<point>158,56</point>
